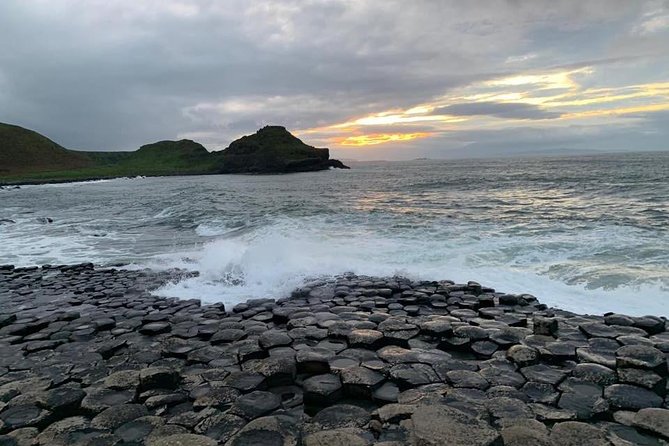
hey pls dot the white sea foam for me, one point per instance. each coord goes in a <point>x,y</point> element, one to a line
<point>273,260</point>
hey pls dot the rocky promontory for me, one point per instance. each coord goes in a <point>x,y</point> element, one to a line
<point>90,357</point>
<point>273,149</point>
<point>28,157</point>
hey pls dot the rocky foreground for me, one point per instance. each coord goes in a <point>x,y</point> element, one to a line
<point>90,357</point>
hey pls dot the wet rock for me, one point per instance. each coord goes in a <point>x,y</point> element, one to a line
<point>641,356</point>
<point>56,434</point>
<point>183,440</point>
<point>650,324</point>
<point>255,404</point>
<point>313,360</point>
<point>397,331</point>
<point>595,373</point>
<point>245,381</point>
<point>583,398</point>
<point>276,370</point>
<point>124,379</point>
<point>360,381</point>
<point>158,378</point>
<point>274,338</point>
<point>540,392</point>
<point>439,425</point>
<point>573,433</point>
<point>336,437</point>
<point>99,399</point>
<point>522,355</point>
<point>63,399</point>
<point>322,389</point>
<point>387,393</point>
<point>23,416</point>
<point>139,429</point>
<point>370,339</point>
<point>227,336</point>
<point>526,432</point>
<point>155,328</point>
<point>498,376</point>
<point>598,330</point>
<point>653,420</point>
<point>220,427</point>
<point>219,397</point>
<point>413,375</point>
<point>507,411</point>
<point>341,416</point>
<point>467,379</point>
<point>643,378</point>
<point>394,413</point>
<point>279,430</point>
<point>628,397</point>
<point>543,374</point>
<point>113,417</point>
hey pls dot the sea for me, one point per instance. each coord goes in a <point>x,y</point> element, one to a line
<point>588,234</point>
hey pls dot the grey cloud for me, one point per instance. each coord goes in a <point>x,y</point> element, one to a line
<point>512,110</point>
<point>94,74</point>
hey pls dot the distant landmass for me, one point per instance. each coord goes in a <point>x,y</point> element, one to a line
<point>26,156</point>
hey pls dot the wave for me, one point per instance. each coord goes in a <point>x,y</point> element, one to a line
<point>272,260</point>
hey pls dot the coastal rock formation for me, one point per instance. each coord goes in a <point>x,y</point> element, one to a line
<point>92,357</point>
<point>27,156</point>
<point>273,149</point>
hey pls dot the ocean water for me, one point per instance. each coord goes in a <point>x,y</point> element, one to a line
<point>587,234</point>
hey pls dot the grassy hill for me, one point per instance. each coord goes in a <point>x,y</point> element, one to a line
<point>27,156</point>
<point>24,151</point>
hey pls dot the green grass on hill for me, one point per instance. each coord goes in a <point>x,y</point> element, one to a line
<point>27,157</point>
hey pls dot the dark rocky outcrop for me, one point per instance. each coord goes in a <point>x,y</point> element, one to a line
<point>273,149</point>
<point>28,157</point>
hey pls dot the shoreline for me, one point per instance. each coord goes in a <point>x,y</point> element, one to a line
<point>90,356</point>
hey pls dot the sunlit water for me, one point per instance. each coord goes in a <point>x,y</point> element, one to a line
<point>587,234</point>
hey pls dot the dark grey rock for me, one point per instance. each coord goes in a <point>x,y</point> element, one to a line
<point>594,373</point>
<point>413,375</point>
<point>158,378</point>
<point>440,425</point>
<point>544,374</point>
<point>573,433</point>
<point>21,416</point>
<point>255,404</point>
<point>322,389</point>
<point>641,356</point>
<point>361,338</point>
<point>628,397</point>
<point>279,430</point>
<point>522,355</point>
<point>183,440</point>
<point>360,381</point>
<point>653,420</point>
<point>274,338</point>
<point>114,417</point>
<point>467,379</point>
<point>341,416</point>
<point>583,398</point>
<point>155,328</point>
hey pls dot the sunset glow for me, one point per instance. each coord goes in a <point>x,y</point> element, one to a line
<point>377,138</point>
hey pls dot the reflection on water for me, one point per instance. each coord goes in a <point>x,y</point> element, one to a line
<point>598,223</point>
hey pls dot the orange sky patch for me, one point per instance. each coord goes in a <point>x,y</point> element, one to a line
<point>377,138</point>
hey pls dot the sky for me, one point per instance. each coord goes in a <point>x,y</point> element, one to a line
<point>379,79</point>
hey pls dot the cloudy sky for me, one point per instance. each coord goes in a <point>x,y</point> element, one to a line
<point>379,79</point>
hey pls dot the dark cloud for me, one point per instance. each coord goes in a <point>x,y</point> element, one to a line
<point>100,75</point>
<point>509,110</point>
